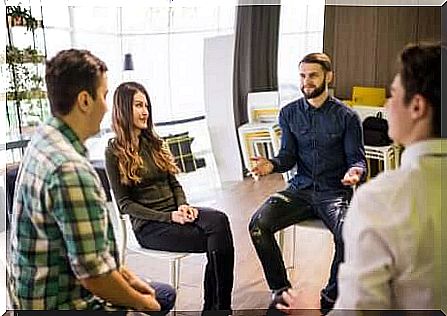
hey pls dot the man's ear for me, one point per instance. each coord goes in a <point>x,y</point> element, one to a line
<point>418,107</point>
<point>84,101</point>
<point>329,76</point>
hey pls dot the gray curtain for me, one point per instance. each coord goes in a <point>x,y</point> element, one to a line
<point>255,54</point>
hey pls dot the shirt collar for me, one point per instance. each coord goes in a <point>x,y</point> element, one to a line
<point>435,146</point>
<point>68,132</point>
<point>324,106</point>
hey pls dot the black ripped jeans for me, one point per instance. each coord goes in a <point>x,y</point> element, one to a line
<point>289,207</point>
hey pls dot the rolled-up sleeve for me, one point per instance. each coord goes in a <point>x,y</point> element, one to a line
<point>78,207</point>
<point>286,158</point>
<point>353,144</point>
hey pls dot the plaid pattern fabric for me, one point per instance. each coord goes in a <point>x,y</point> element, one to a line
<point>60,229</point>
<point>180,146</point>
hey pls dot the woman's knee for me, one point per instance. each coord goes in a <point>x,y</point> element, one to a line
<point>219,218</point>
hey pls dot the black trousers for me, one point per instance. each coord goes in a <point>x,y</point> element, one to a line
<point>210,233</point>
<point>289,207</point>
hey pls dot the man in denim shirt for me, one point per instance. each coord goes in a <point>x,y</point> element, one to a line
<point>323,138</point>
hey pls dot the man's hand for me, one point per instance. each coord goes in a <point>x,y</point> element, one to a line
<point>148,293</point>
<point>150,303</point>
<point>262,167</point>
<point>190,213</point>
<point>290,298</point>
<point>353,175</point>
<point>136,282</point>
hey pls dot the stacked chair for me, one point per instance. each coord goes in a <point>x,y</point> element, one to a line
<point>261,135</point>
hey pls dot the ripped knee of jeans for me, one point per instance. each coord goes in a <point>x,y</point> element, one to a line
<point>254,227</point>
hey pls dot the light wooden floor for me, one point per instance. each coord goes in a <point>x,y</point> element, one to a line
<point>239,200</point>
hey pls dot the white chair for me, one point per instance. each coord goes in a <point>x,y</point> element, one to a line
<point>263,107</point>
<point>310,223</point>
<point>262,126</point>
<point>389,155</point>
<point>126,240</point>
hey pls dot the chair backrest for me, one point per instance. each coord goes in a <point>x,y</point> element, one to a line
<point>119,229</point>
<point>263,106</point>
<point>131,239</point>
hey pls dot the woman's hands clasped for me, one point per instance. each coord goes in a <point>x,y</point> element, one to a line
<point>184,214</point>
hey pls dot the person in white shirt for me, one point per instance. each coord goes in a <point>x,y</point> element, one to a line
<point>395,247</point>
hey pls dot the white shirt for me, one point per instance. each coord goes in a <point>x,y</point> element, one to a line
<point>393,235</point>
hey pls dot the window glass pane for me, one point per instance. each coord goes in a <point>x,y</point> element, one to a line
<point>56,16</point>
<point>187,75</point>
<point>301,32</point>
<point>150,58</point>
<point>145,19</point>
<point>97,19</point>
<point>194,18</point>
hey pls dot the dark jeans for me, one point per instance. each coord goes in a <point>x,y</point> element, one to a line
<point>210,233</point>
<point>289,207</point>
<point>165,295</point>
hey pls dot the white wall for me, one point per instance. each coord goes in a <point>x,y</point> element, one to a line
<point>218,90</point>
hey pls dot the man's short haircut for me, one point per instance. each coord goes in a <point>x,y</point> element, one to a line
<point>420,73</point>
<point>318,58</point>
<point>67,74</point>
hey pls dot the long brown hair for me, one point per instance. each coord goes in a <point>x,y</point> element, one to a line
<point>125,145</point>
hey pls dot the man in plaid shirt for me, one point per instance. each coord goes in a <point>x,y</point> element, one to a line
<point>63,250</point>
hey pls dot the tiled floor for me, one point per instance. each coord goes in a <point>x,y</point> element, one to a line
<point>239,200</point>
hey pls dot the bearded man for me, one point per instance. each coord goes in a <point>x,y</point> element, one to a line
<point>323,138</point>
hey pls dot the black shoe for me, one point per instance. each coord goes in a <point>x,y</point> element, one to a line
<point>326,303</point>
<point>277,297</point>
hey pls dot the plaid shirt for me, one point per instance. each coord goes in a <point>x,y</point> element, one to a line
<point>61,231</point>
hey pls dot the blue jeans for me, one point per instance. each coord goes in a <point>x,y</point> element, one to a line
<point>289,207</point>
<point>165,295</point>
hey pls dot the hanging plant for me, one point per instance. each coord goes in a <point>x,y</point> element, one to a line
<point>18,16</point>
<point>23,84</point>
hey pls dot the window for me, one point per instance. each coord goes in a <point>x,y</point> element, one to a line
<point>301,32</point>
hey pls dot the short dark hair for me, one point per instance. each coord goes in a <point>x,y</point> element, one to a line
<point>318,58</point>
<point>67,74</point>
<point>420,73</point>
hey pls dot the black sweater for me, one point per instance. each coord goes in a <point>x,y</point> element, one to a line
<point>154,198</point>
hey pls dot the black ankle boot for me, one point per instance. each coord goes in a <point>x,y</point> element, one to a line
<point>223,265</point>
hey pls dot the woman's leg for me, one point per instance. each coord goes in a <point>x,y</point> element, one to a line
<point>218,283</point>
<point>210,233</point>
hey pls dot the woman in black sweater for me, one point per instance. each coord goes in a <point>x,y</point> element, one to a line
<point>142,172</point>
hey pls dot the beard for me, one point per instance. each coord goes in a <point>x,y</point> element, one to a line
<point>316,92</point>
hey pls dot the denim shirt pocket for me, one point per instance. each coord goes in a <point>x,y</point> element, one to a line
<point>303,136</point>
<point>333,138</point>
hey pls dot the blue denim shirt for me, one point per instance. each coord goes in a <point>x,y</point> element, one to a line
<point>322,142</point>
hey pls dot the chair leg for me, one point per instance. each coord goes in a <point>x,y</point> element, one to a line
<point>294,247</point>
<point>173,276</point>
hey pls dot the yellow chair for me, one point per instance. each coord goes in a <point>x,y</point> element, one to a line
<point>368,96</point>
